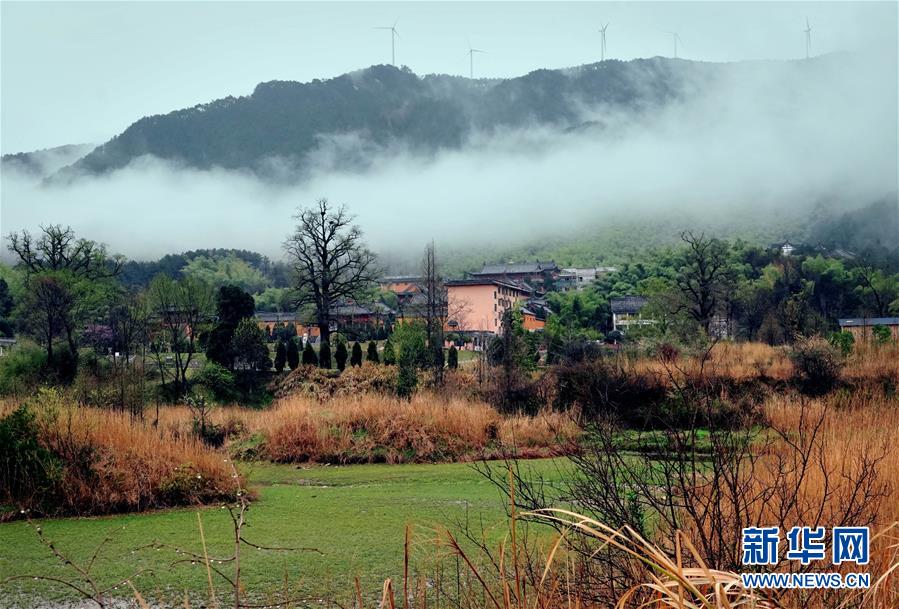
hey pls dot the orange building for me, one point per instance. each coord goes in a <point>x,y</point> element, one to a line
<point>270,321</point>
<point>531,320</point>
<point>862,328</point>
<point>478,305</point>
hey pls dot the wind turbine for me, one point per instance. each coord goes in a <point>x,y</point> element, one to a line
<point>471,53</point>
<point>677,39</point>
<point>602,33</point>
<point>808,38</point>
<point>393,37</point>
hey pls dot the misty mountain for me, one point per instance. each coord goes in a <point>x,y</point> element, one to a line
<point>340,122</point>
<point>41,163</point>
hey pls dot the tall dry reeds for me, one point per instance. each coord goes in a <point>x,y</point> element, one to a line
<point>98,461</point>
<point>381,428</point>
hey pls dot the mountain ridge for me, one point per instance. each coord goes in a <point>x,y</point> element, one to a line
<point>383,105</point>
<point>349,117</point>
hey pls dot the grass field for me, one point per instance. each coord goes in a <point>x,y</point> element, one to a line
<point>354,515</point>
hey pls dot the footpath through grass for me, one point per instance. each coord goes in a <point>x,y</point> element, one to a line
<point>354,515</point>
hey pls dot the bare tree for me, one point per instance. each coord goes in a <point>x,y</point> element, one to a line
<point>702,279</point>
<point>181,308</point>
<point>63,275</point>
<point>435,310</point>
<point>330,261</point>
<point>57,249</point>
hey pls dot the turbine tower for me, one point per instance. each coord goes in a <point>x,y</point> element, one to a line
<point>602,33</point>
<point>808,38</point>
<point>393,36</point>
<point>676,37</point>
<point>471,53</point>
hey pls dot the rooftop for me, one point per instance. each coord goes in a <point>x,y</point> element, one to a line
<point>628,304</point>
<point>517,268</point>
<point>475,281</point>
<point>869,321</point>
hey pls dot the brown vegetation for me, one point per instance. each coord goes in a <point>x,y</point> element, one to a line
<point>372,427</point>
<point>100,461</point>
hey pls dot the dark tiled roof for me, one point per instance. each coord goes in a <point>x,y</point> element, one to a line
<point>628,304</point>
<point>869,321</point>
<point>276,317</point>
<point>515,285</point>
<point>518,268</point>
<point>401,279</point>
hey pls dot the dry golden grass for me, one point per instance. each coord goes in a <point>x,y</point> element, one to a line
<point>374,427</point>
<point>109,462</point>
<point>136,467</point>
<point>736,361</point>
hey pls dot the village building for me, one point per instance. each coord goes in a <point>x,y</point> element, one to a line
<point>534,313</point>
<point>270,321</point>
<point>348,316</point>
<point>539,275</point>
<point>862,328</point>
<point>786,248</point>
<point>627,312</point>
<point>6,344</point>
<point>579,278</point>
<point>476,306</point>
<point>404,286</point>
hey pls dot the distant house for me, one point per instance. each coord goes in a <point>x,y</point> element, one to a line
<point>476,306</point>
<point>862,327</point>
<point>404,286</point>
<point>342,316</point>
<point>270,321</point>
<point>6,344</point>
<point>534,313</point>
<point>579,278</point>
<point>786,248</point>
<point>538,274</point>
<point>626,312</point>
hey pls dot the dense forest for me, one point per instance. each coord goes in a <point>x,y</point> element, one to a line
<point>383,106</point>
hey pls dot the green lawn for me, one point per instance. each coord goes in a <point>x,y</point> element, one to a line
<point>354,515</point>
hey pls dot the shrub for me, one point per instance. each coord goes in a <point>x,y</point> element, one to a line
<point>817,364</point>
<point>218,381</point>
<point>843,341</point>
<point>324,355</point>
<point>407,373</point>
<point>881,334</point>
<point>356,357</point>
<point>29,472</point>
<point>452,358</point>
<point>667,352</point>
<point>280,356</point>
<point>293,354</point>
<point>341,355</point>
<point>389,353</point>
<point>101,461</point>
<point>309,356</point>
<point>372,354</point>
<point>21,369</point>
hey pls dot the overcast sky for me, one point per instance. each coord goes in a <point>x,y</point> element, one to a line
<point>77,72</point>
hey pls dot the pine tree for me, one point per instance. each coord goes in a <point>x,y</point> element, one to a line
<point>407,375</point>
<point>356,357</point>
<point>453,358</point>
<point>389,353</point>
<point>324,355</point>
<point>309,356</point>
<point>293,355</point>
<point>372,355</point>
<point>280,356</point>
<point>340,355</point>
